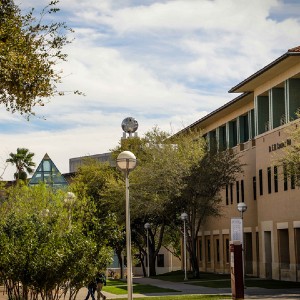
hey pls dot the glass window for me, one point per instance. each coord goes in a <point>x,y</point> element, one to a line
<point>160,260</point>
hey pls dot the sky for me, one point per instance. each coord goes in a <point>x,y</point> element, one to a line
<point>164,63</point>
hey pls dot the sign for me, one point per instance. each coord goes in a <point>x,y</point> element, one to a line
<point>278,146</point>
<point>237,229</point>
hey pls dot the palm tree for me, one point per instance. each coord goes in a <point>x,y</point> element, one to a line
<point>23,162</point>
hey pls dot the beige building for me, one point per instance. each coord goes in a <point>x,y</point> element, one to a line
<point>254,125</point>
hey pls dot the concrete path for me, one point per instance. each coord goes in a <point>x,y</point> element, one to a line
<point>184,288</point>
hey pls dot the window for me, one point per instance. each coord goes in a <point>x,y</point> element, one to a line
<point>292,181</point>
<point>218,250</point>
<point>200,249</point>
<point>242,191</point>
<point>208,250</point>
<point>260,174</point>
<point>160,260</point>
<point>275,179</point>
<point>285,178</point>
<point>232,133</point>
<point>269,180</point>
<point>231,193</point>
<point>227,199</point>
<point>254,188</point>
<point>227,250</point>
<point>237,192</point>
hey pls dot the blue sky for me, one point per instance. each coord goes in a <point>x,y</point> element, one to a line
<point>166,63</point>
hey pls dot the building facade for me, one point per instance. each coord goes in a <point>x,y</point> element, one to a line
<point>255,125</point>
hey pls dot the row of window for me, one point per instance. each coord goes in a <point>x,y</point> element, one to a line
<point>272,109</point>
<point>240,192</point>
<point>212,246</point>
<point>270,180</point>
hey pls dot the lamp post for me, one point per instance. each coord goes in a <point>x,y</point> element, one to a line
<point>147,227</point>
<point>126,162</point>
<point>184,217</point>
<point>242,207</point>
<point>69,200</point>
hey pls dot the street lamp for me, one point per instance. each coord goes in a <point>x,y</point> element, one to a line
<point>242,207</point>
<point>147,227</point>
<point>184,217</point>
<point>126,162</point>
<point>69,200</point>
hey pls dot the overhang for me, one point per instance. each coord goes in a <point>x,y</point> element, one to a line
<point>277,67</point>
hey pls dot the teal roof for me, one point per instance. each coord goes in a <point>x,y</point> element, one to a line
<point>47,172</point>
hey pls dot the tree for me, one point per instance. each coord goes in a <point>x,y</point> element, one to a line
<point>163,162</point>
<point>200,197</point>
<point>289,158</point>
<point>23,162</point>
<point>100,183</point>
<point>30,49</point>
<point>42,249</point>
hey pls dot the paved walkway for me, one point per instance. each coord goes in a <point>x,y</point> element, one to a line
<point>183,288</point>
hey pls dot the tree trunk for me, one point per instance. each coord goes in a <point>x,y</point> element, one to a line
<point>120,259</point>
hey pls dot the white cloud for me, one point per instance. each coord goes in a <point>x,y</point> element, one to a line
<point>166,63</point>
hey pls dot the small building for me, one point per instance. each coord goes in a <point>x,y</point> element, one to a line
<point>47,172</point>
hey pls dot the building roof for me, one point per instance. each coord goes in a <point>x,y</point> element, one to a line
<point>278,66</point>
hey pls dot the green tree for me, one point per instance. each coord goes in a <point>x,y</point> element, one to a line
<point>289,157</point>
<point>41,248</point>
<point>100,183</point>
<point>201,198</point>
<point>23,163</point>
<point>163,162</point>
<point>30,50</point>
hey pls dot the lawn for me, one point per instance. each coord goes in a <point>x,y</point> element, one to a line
<point>187,297</point>
<point>119,287</point>
<point>223,281</point>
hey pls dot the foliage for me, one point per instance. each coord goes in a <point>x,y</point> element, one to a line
<point>23,162</point>
<point>43,245</point>
<point>163,162</point>
<point>30,49</point>
<point>290,156</point>
<point>200,198</point>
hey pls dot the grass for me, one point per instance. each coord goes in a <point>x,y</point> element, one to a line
<point>188,297</point>
<point>223,281</point>
<point>119,287</point>
<point>178,276</point>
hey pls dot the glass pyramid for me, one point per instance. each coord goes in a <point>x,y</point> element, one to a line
<point>47,172</point>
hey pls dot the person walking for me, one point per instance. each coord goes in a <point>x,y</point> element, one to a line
<point>92,286</point>
<point>101,281</point>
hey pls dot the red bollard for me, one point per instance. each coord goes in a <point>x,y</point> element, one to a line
<point>236,270</point>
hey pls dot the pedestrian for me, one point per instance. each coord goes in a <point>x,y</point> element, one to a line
<point>101,281</point>
<point>92,286</point>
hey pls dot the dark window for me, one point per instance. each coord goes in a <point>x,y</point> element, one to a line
<point>285,178</point>
<point>200,249</point>
<point>237,191</point>
<point>160,260</point>
<point>231,193</point>
<point>227,250</point>
<point>254,188</point>
<point>242,191</point>
<point>269,180</point>
<point>261,191</point>
<point>227,199</point>
<point>292,181</point>
<point>208,250</point>
<point>275,179</point>
<point>218,249</point>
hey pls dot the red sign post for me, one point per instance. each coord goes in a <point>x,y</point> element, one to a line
<point>236,270</point>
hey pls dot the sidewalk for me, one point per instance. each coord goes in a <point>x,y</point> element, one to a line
<point>183,288</point>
